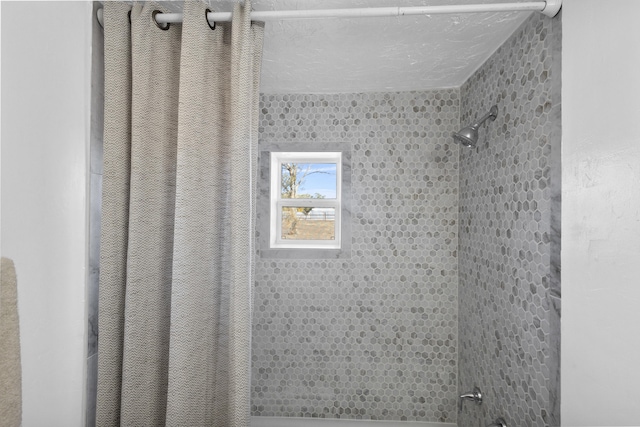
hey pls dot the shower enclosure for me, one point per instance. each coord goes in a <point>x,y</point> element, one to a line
<point>452,280</point>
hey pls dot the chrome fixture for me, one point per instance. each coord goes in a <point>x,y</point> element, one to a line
<point>475,395</point>
<point>550,9</point>
<point>499,422</point>
<point>468,136</point>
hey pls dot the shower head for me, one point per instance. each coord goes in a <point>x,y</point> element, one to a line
<point>468,136</point>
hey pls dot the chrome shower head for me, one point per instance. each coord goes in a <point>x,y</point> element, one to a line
<point>468,136</point>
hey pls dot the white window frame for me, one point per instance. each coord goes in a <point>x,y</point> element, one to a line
<point>277,202</point>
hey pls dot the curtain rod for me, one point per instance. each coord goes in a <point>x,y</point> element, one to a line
<point>549,8</point>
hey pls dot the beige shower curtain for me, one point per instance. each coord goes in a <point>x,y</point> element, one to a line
<point>181,109</point>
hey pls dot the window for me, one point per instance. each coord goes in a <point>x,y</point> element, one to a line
<point>322,221</point>
<point>305,200</point>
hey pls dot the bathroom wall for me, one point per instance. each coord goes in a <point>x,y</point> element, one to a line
<point>509,292</point>
<point>45,133</point>
<point>372,336</point>
<point>601,213</point>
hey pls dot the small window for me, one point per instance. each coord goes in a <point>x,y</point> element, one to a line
<point>306,200</point>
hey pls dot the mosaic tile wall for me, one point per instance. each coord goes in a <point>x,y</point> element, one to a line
<point>373,336</point>
<point>509,233</point>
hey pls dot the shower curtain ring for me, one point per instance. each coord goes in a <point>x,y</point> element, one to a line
<point>153,17</point>
<point>206,13</point>
<point>100,17</point>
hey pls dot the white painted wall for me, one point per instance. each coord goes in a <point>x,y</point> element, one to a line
<point>601,213</point>
<point>45,124</point>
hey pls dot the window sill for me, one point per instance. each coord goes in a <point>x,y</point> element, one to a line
<point>305,253</point>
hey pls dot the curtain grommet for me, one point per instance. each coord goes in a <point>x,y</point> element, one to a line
<point>206,12</point>
<point>153,17</point>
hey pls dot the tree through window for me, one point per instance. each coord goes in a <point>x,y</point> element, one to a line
<point>305,200</point>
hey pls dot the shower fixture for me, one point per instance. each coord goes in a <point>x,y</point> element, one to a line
<point>468,136</point>
<point>474,396</point>
<point>499,422</point>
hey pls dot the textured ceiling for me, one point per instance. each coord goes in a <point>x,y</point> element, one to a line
<point>377,54</point>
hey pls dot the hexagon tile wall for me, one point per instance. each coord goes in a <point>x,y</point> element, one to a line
<point>373,336</point>
<point>509,233</point>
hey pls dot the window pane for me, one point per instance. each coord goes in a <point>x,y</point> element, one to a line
<point>308,180</point>
<point>304,223</point>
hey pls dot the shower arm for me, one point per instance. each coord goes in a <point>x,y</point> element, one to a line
<point>492,114</point>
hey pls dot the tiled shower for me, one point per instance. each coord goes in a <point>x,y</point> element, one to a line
<point>509,293</point>
<point>452,280</point>
<point>453,277</point>
<point>375,335</point>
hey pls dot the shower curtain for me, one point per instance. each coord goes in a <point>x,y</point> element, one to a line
<point>181,110</point>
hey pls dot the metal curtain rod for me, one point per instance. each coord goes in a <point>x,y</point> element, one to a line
<point>549,8</point>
